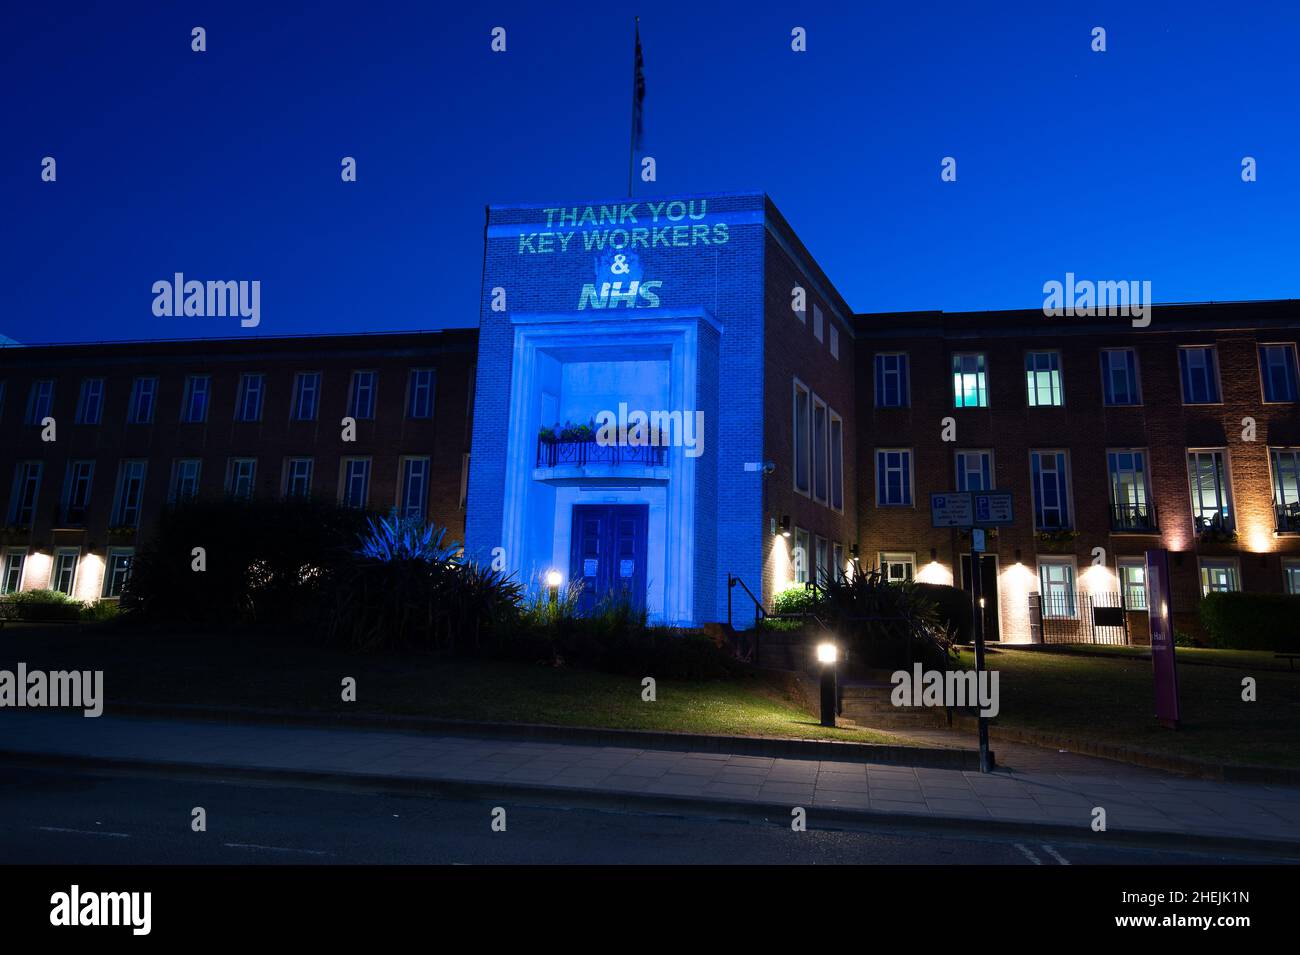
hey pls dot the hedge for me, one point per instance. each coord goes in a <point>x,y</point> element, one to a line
<point>1241,621</point>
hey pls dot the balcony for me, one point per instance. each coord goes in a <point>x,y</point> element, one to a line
<point>1288,518</point>
<point>581,452</point>
<point>1132,518</point>
<point>1214,526</point>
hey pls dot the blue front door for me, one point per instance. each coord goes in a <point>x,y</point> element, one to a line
<point>607,553</point>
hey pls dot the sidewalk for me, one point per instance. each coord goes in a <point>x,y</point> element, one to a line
<point>1137,802</point>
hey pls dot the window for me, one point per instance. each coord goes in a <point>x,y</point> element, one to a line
<point>835,341</point>
<point>40,400</point>
<point>974,470</point>
<point>893,477</point>
<point>1119,377</point>
<point>419,402</point>
<point>1133,582</point>
<point>1219,576</point>
<point>140,411</point>
<point>968,383</point>
<point>356,482</point>
<point>1130,508</point>
<point>76,492</point>
<point>415,487</point>
<point>130,492</point>
<point>240,482</point>
<point>898,568</point>
<point>1291,576</point>
<point>65,570</point>
<point>1208,474</point>
<point>837,462</point>
<point>90,404</point>
<point>819,324</point>
<point>11,574</point>
<point>26,491</point>
<point>306,395</point>
<point>1200,375</point>
<point>1043,378</point>
<point>249,405</point>
<point>1286,488</point>
<point>362,405</point>
<point>116,570</point>
<point>891,381</point>
<point>802,444</point>
<point>1277,372</point>
<point>802,547</point>
<point>1050,486</point>
<point>823,568</point>
<point>838,566</point>
<point>194,409</point>
<point>821,467</point>
<point>185,480</point>
<point>1056,583</point>
<point>297,480</point>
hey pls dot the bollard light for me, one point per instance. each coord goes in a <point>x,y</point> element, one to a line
<point>553,580</point>
<point>827,655</point>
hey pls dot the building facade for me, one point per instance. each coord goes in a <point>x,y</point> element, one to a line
<point>664,396</point>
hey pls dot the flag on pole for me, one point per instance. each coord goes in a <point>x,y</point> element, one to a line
<point>638,90</point>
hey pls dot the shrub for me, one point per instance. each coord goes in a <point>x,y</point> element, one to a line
<point>795,600</point>
<point>889,624</point>
<point>45,605</point>
<point>1242,621</point>
<point>953,605</point>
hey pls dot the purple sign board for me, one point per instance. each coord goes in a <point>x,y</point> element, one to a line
<point>1162,638</point>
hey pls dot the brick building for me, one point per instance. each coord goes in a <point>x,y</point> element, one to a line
<point>788,435</point>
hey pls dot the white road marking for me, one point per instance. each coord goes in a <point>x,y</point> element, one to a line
<point>1055,855</point>
<point>85,832</point>
<point>1029,855</point>
<point>249,845</point>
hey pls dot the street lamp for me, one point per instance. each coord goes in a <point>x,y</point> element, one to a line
<point>827,655</point>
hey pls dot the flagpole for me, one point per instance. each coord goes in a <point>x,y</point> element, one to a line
<point>631,143</point>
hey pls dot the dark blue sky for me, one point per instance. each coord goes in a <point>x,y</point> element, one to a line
<point>225,165</point>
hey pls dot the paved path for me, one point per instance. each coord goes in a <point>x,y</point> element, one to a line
<point>1134,801</point>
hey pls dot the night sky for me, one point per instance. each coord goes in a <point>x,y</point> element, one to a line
<point>225,164</point>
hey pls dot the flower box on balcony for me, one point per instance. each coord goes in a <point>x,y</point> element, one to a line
<point>1056,541</point>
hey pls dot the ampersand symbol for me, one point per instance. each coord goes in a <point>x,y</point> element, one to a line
<point>620,266</point>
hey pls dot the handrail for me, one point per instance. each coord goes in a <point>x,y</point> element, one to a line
<point>759,612</point>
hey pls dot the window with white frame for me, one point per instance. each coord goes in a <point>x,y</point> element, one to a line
<point>90,403</point>
<point>194,407</point>
<point>1285,463</point>
<point>297,478</point>
<point>892,390</point>
<point>1198,366</point>
<point>894,476</point>
<point>1133,582</point>
<point>1050,484</point>
<point>968,381</point>
<point>355,490</point>
<point>241,478</point>
<point>252,385</point>
<point>1129,493</point>
<point>140,409</point>
<point>897,568</point>
<point>76,492</point>
<point>802,440</point>
<point>1043,378</point>
<point>823,557</point>
<point>1119,377</point>
<point>837,462</point>
<point>117,569</point>
<point>1277,372</point>
<point>415,488</point>
<point>11,574</point>
<point>64,577</point>
<point>1207,472</point>
<point>1291,576</point>
<point>26,493</point>
<point>821,465</point>
<point>306,395</point>
<point>130,494</point>
<point>802,555</point>
<point>974,470</point>
<point>362,403</point>
<point>819,323</point>
<point>185,480</point>
<point>1056,586</point>
<point>1220,575</point>
<point>40,400</point>
<point>419,403</point>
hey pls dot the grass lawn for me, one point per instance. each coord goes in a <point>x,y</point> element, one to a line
<point>1112,700</point>
<point>1251,660</point>
<point>241,671</point>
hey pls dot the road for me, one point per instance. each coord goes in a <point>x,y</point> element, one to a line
<point>58,817</point>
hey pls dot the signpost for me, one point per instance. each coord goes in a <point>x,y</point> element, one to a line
<point>974,510</point>
<point>1163,666</point>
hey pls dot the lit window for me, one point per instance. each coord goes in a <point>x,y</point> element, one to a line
<point>1200,375</point>
<point>1277,371</point>
<point>1043,378</point>
<point>1056,580</point>
<point>891,381</point>
<point>1286,488</point>
<point>1130,508</point>
<point>1291,576</point>
<point>898,568</point>
<point>65,570</point>
<point>1133,582</point>
<point>1207,472</point>
<point>1219,576</point>
<point>893,477</point>
<point>1119,377</point>
<point>1050,486</point>
<point>968,382</point>
<point>11,574</point>
<point>801,555</point>
<point>117,570</point>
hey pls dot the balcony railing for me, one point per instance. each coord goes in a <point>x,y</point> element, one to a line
<point>1214,524</point>
<point>1288,517</point>
<point>1132,517</point>
<point>558,452</point>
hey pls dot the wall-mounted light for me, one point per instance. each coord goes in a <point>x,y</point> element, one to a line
<point>934,553</point>
<point>1018,555</point>
<point>785,525</point>
<point>853,551</point>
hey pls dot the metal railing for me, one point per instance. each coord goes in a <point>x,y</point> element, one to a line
<point>1075,616</point>
<point>1288,517</point>
<point>556,452</point>
<point>1132,517</point>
